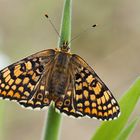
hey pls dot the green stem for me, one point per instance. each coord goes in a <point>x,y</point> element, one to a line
<point>66,23</point>
<point>53,121</point>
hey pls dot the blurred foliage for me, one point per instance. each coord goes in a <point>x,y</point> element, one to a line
<point>125,133</point>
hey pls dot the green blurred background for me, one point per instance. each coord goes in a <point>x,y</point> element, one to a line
<point>112,49</point>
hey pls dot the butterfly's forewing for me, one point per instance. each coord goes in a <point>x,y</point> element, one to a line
<point>93,98</point>
<point>20,80</point>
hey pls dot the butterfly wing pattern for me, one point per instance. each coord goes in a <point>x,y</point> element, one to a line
<point>64,104</point>
<point>92,97</point>
<point>24,80</point>
<point>34,83</point>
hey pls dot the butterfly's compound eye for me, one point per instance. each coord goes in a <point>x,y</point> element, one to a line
<point>65,46</point>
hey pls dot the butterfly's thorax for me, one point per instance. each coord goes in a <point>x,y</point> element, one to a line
<point>59,76</point>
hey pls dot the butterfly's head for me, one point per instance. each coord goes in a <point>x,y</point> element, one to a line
<point>65,47</point>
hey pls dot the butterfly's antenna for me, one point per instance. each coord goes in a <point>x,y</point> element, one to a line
<point>82,32</point>
<point>46,15</point>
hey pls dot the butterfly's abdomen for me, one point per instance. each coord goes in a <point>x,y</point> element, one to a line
<point>59,76</point>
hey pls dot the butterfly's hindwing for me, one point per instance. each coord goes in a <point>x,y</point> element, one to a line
<point>93,98</point>
<point>19,81</point>
<point>41,96</point>
<point>65,103</point>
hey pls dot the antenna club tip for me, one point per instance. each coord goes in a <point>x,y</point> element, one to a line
<point>46,15</point>
<point>94,25</point>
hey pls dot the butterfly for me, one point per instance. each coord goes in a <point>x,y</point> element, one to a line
<point>56,75</point>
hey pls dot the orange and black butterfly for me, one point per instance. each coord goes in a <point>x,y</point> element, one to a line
<point>62,78</point>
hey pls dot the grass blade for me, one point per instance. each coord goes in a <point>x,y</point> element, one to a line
<point>128,130</point>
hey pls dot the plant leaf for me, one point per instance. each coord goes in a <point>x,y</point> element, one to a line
<point>125,133</point>
<point>111,129</point>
